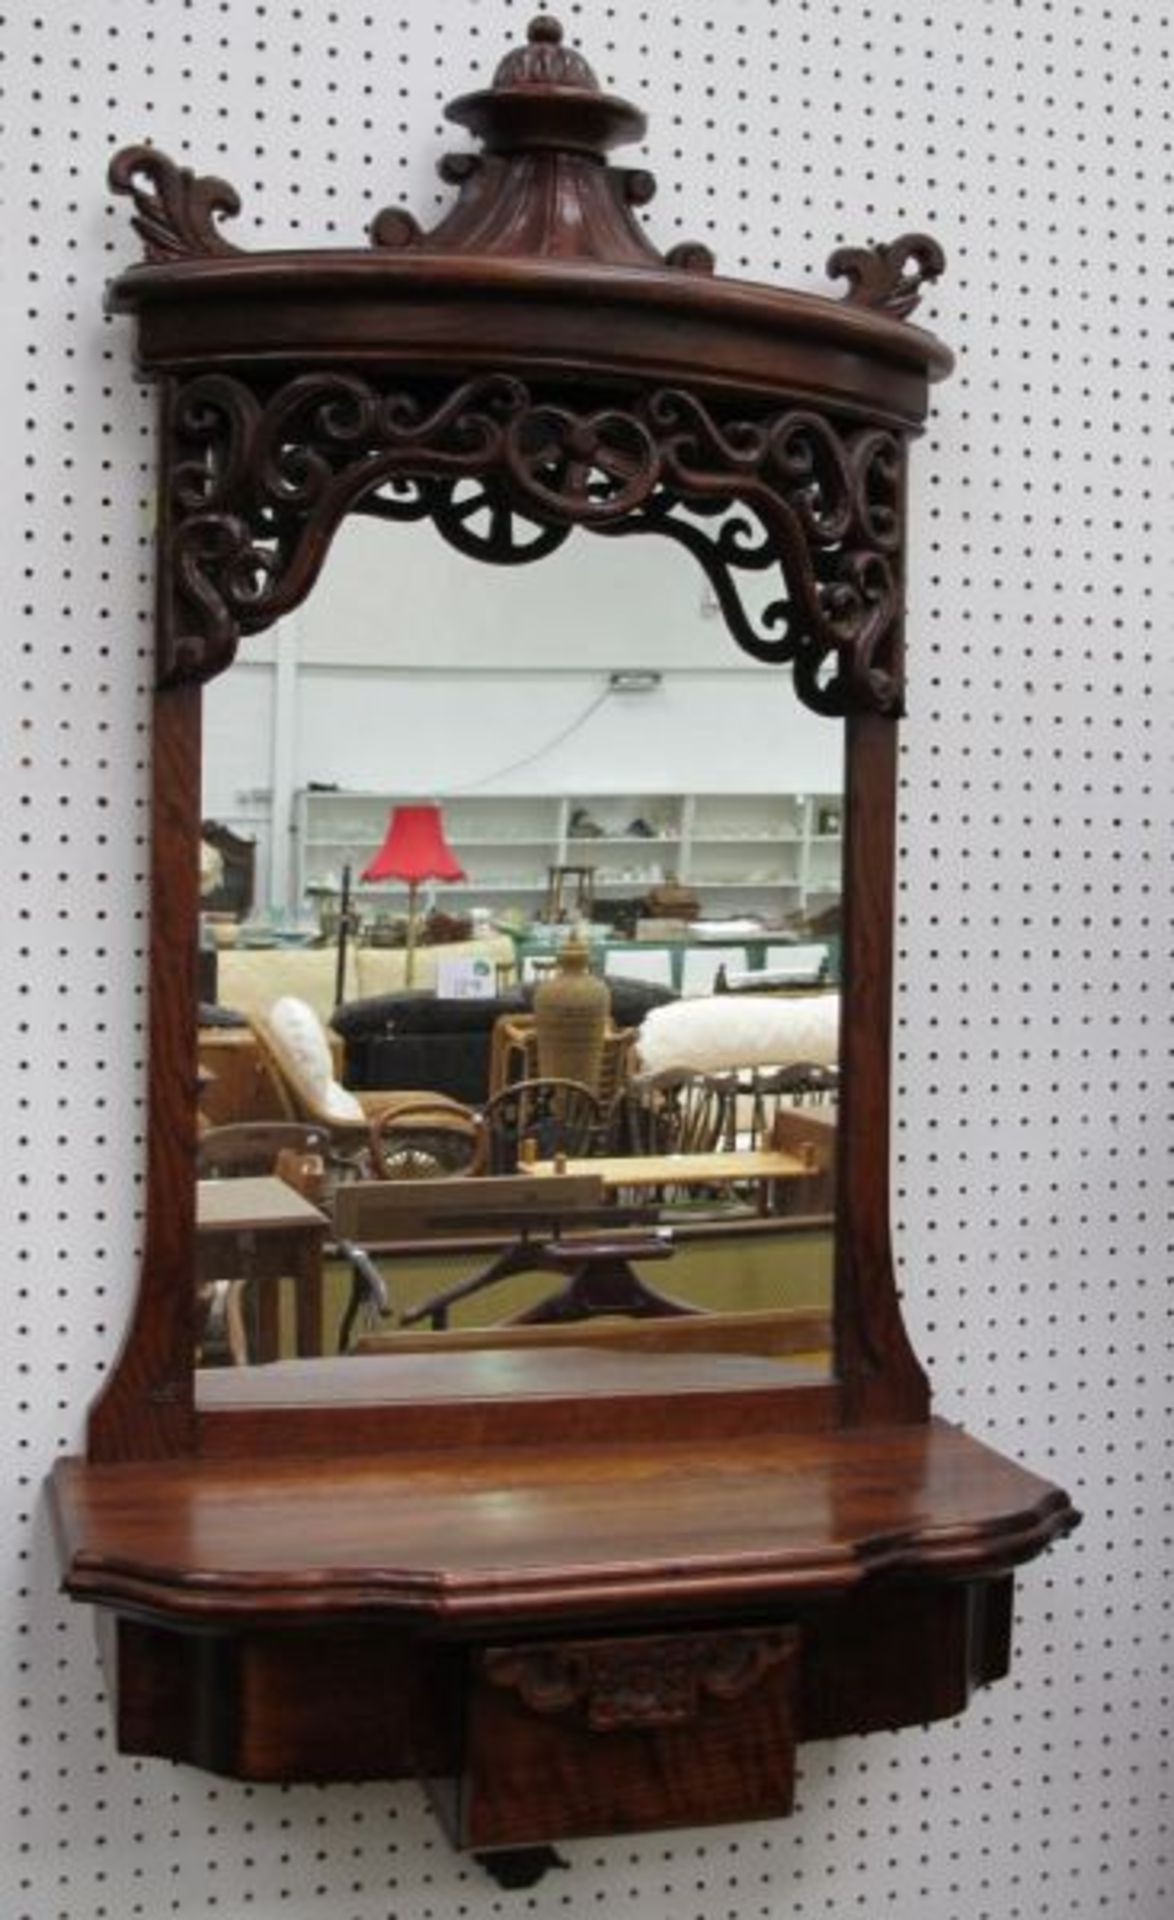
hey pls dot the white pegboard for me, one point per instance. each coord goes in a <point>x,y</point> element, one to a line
<point>1032,1164</point>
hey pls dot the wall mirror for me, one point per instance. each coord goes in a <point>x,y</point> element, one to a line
<point>588,710</point>
<point>479,548</point>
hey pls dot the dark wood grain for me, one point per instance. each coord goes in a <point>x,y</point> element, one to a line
<point>495,1396</point>
<point>146,1407</point>
<point>529,1772</point>
<point>878,1371</point>
<point>595,324</point>
<point>360,1700</point>
<point>330,1703</point>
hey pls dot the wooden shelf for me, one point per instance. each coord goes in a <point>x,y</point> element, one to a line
<point>560,1637</point>
<point>546,1532</point>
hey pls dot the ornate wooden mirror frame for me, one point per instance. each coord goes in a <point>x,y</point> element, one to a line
<point>572,1602</point>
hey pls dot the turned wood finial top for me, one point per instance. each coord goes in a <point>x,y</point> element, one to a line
<point>545,95</point>
<point>544,61</point>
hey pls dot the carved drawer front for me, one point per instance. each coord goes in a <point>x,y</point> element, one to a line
<point>615,1735</point>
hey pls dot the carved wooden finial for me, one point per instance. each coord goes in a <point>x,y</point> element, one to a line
<point>542,188</point>
<point>545,95</point>
<point>544,61</point>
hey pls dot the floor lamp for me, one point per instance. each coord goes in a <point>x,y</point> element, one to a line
<point>414,849</point>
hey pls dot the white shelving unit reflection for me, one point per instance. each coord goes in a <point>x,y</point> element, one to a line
<point>774,855</point>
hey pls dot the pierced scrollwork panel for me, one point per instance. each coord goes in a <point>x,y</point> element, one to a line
<point>257,482</point>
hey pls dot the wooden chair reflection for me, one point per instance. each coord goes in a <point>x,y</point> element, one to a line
<point>426,1138</point>
<point>678,1112</point>
<point>765,1092</point>
<point>675,1111</point>
<point>295,1152</point>
<point>538,1120</point>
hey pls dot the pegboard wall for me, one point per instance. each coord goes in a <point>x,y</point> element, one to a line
<point>1034,1074</point>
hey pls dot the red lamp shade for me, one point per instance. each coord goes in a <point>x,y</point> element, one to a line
<point>414,848</point>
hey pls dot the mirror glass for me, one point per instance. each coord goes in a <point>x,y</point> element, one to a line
<point>583,749</point>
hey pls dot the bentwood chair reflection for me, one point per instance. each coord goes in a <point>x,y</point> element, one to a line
<point>294,1045</point>
<point>423,1138</point>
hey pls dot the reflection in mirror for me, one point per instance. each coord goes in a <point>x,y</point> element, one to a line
<point>520,961</point>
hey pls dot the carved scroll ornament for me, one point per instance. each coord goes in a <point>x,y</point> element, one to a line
<point>889,276</point>
<point>259,481</point>
<point>174,209</point>
<point>639,1683</point>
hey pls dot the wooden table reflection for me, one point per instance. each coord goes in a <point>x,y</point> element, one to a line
<point>259,1229</point>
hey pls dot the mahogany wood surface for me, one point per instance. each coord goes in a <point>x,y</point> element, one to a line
<point>611,1736</point>
<point>503,1396</point>
<point>324,1704</point>
<point>881,1376</point>
<point>146,1405</point>
<point>559,1532</point>
<point>354,1700</point>
<point>723,336</point>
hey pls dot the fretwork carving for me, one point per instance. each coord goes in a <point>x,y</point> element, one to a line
<point>257,483</point>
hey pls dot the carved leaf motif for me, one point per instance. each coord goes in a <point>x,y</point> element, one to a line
<point>889,275</point>
<point>175,210</point>
<point>639,1683</point>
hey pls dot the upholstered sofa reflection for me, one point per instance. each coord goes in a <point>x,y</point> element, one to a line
<point>420,1040</point>
<point>251,980</point>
